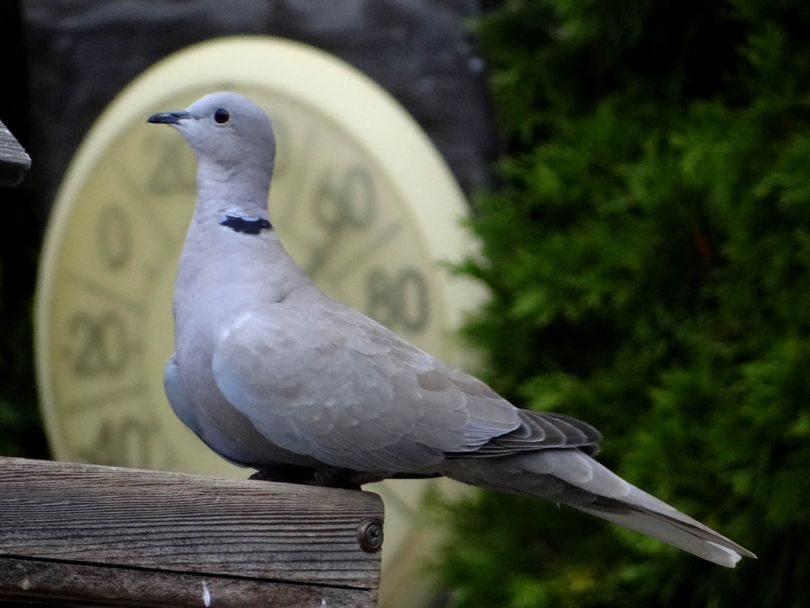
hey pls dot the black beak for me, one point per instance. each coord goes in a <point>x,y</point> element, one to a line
<point>170,118</point>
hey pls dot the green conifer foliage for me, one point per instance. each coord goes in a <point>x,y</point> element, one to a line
<point>648,256</point>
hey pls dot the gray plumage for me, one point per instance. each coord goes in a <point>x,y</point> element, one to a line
<point>272,374</point>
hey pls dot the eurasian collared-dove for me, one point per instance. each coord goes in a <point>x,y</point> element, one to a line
<point>272,374</point>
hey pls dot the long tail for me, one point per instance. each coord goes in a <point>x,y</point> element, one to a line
<point>672,527</point>
<point>571,477</point>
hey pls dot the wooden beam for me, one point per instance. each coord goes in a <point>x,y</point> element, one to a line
<point>128,537</point>
<point>14,162</point>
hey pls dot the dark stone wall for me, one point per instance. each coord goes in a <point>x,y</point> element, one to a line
<point>82,52</point>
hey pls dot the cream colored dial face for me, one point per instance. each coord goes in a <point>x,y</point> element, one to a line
<point>360,198</point>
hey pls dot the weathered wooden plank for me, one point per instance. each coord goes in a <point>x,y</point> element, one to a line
<point>186,523</point>
<point>14,162</point>
<point>68,583</point>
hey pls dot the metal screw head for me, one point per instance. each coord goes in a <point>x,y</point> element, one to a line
<point>370,534</point>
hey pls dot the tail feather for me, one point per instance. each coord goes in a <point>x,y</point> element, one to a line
<point>571,477</point>
<point>695,539</point>
<point>608,496</point>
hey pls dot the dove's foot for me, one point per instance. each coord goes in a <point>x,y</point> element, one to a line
<point>284,473</point>
<point>334,478</point>
<point>328,478</point>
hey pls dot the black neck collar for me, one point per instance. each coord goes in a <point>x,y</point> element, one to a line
<point>246,224</point>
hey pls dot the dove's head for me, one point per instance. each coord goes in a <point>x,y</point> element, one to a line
<point>227,132</point>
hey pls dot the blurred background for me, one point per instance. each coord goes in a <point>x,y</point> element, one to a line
<point>638,181</point>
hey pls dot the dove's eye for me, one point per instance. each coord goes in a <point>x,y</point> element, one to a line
<point>221,116</point>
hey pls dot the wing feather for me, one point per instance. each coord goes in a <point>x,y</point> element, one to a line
<point>323,380</point>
